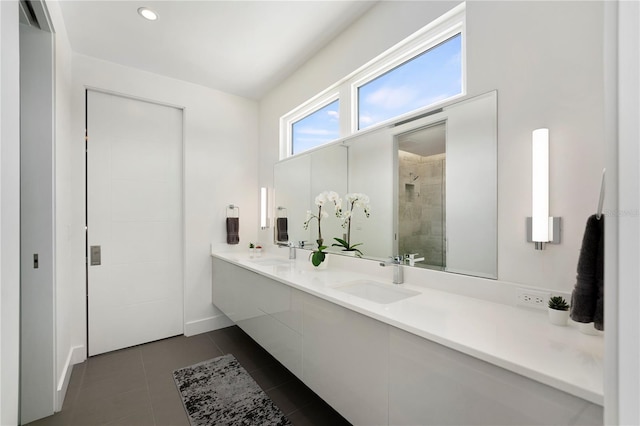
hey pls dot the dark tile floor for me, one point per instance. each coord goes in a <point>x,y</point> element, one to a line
<point>135,386</point>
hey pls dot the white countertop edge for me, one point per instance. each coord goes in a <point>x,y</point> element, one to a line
<point>588,394</point>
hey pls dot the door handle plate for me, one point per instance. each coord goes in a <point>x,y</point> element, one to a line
<point>95,255</point>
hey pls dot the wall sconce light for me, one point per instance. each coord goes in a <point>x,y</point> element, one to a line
<point>264,223</point>
<point>541,228</point>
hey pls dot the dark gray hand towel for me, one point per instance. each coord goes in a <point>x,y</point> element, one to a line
<point>233,227</point>
<point>282,233</point>
<point>587,299</point>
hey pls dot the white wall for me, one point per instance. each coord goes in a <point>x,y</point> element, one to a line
<point>69,225</point>
<point>9,213</point>
<point>220,143</point>
<point>547,75</point>
<point>545,60</point>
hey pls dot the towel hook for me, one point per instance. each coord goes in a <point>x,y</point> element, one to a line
<point>233,208</point>
<point>281,209</point>
<point>601,199</point>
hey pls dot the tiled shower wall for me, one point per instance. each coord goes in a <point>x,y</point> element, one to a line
<point>421,207</point>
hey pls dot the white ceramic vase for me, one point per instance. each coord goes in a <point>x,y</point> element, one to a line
<point>558,317</point>
<point>322,266</point>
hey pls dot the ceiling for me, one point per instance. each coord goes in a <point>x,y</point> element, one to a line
<point>240,47</point>
<point>425,142</point>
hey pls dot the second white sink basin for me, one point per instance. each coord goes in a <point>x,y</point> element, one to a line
<point>376,292</point>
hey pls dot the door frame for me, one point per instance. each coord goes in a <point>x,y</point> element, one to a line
<point>622,243</point>
<point>38,396</point>
<point>183,229</point>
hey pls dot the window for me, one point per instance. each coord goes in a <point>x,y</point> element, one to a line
<point>430,77</point>
<point>319,127</point>
<point>425,69</point>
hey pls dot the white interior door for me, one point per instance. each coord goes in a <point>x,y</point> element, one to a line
<point>134,215</point>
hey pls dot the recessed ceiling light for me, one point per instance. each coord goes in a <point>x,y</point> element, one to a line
<point>147,13</point>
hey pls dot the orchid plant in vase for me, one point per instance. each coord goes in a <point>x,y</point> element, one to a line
<point>353,200</point>
<point>318,256</point>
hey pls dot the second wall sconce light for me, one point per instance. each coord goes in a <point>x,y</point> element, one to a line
<point>264,220</point>
<point>541,228</point>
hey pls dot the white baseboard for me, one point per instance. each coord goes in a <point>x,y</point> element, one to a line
<point>207,324</point>
<point>77,354</point>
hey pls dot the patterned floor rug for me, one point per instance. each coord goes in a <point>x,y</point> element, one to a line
<point>220,392</point>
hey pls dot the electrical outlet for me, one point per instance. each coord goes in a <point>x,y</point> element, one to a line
<point>532,299</point>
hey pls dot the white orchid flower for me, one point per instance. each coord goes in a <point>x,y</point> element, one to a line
<point>308,219</point>
<point>357,199</point>
<point>332,196</point>
<point>346,218</point>
<point>338,206</point>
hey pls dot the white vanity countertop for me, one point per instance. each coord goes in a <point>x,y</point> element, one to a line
<point>518,339</point>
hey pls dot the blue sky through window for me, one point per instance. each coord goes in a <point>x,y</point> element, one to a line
<point>428,78</point>
<point>317,128</point>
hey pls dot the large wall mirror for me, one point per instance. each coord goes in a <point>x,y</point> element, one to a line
<point>431,180</point>
<point>297,181</point>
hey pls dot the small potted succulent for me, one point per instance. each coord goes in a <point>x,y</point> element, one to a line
<point>558,310</point>
<point>252,249</point>
<point>258,250</point>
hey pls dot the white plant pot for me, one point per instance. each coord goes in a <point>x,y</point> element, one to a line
<point>558,317</point>
<point>322,266</point>
<point>588,328</point>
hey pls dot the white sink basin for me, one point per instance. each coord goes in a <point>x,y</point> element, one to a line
<point>269,261</point>
<point>376,292</point>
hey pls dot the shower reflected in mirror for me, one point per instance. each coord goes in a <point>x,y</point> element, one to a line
<point>421,195</point>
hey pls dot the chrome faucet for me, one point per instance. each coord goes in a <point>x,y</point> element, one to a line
<point>398,276</point>
<point>411,259</point>
<point>292,247</point>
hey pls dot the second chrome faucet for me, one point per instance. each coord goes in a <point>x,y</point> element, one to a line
<point>398,275</point>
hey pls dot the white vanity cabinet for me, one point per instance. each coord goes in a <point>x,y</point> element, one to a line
<point>375,373</point>
<point>430,384</point>
<point>346,360</point>
<point>268,311</point>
